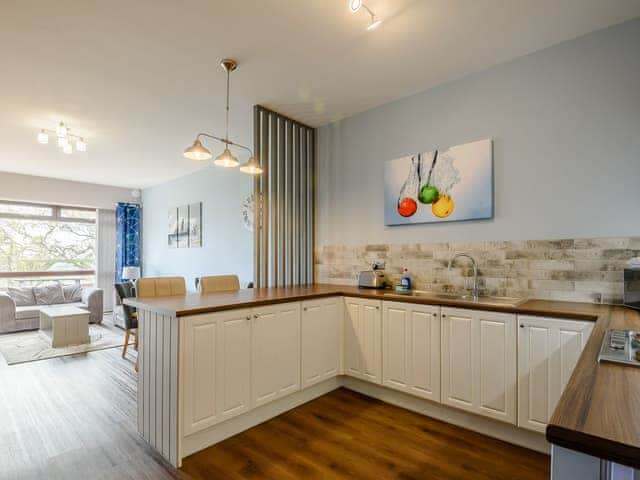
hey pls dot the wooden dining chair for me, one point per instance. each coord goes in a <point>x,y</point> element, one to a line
<point>219,283</point>
<point>160,287</point>
<point>125,290</point>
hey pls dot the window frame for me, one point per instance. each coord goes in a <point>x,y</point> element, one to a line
<point>56,212</point>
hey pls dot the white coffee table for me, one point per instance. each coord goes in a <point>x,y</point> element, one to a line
<point>65,326</point>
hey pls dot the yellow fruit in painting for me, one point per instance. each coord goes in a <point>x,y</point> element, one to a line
<point>443,207</point>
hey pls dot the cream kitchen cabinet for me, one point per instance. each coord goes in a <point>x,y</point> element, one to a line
<point>275,347</point>
<point>548,349</point>
<point>479,362</point>
<point>216,368</point>
<point>411,348</point>
<point>363,339</point>
<point>321,339</point>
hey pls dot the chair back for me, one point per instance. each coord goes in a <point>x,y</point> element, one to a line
<point>219,283</point>
<point>125,290</point>
<point>160,287</point>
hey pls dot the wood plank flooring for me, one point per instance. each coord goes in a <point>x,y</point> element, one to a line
<point>345,435</point>
<point>75,418</point>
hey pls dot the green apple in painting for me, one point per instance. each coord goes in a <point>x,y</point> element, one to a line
<point>428,194</point>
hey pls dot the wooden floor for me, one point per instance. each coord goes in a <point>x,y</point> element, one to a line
<point>345,435</point>
<point>74,418</point>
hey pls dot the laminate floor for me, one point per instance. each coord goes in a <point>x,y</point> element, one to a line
<point>345,435</point>
<point>75,418</point>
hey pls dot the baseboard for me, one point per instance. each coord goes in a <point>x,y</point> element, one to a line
<point>486,426</point>
<point>201,440</point>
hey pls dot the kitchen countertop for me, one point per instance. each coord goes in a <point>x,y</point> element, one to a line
<point>599,410</point>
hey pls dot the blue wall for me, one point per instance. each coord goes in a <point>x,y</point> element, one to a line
<point>227,245</point>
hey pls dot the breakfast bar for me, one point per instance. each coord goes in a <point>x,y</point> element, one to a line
<point>212,365</point>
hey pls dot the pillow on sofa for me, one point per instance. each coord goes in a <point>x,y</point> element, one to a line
<point>23,296</point>
<point>72,293</point>
<point>48,294</point>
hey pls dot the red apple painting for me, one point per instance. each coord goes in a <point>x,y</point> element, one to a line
<point>451,184</point>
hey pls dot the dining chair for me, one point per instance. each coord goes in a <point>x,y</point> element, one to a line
<point>160,287</point>
<point>219,283</point>
<point>130,316</point>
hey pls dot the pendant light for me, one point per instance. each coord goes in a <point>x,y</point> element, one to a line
<point>226,159</point>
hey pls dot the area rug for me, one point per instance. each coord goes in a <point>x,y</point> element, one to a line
<point>32,346</point>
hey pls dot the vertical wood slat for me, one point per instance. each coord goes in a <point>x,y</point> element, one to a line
<point>158,383</point>
<point>284,219</point>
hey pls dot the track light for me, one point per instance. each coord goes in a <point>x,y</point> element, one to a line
<point>355,5</point>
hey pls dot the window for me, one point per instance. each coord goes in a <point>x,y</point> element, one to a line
<point>46,242</point>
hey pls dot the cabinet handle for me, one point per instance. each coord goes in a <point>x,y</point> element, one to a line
<point>304,309</point>
<point>444,315</point>
<point>377,307</point>
<point>522,325</point>
<point>255,316</point>
<point>434,314</point>
<point>249,317</point>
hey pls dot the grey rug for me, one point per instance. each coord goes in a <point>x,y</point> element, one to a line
<point>31,346</point>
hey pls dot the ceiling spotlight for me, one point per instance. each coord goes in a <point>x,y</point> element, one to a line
<point>61,130</point>
<point>375,23</point>
<point>251,167</point>
<point>197,151</point>
<point>81,145</point>
<point>226,159</point>
<point>354,5</point>
<point>43,137</point>
<point>67,148</point>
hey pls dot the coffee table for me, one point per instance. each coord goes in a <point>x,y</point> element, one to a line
<point>65,326</point>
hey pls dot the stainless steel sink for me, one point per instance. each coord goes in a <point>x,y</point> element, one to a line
<point>466,298</point>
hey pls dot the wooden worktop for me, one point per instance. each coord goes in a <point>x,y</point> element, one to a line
<point>599,410</point>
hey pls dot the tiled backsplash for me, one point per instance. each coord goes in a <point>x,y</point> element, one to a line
<point>584,270</point>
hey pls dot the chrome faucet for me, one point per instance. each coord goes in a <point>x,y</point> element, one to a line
<point>475,271</point>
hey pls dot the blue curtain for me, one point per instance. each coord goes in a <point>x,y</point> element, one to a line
<point>127,237</point>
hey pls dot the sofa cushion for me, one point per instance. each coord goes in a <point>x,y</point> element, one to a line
<point>27,313</point>
<point>72,293</point>
<point>48,294</point>
<point>23,296</point>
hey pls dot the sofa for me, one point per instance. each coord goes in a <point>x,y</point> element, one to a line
<point>20,306</point>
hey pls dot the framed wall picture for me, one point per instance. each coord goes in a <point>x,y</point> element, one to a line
<point>172,227</point>
<point>195,225</point>
<point>183,226</point>
<point>444,185</point>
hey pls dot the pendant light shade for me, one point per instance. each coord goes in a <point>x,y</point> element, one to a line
<point>251,167</point>
<point>226,159</point>
<point>197,151</point>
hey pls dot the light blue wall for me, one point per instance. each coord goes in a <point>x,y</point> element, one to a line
<point>227,245</point>
<point>566,128</point>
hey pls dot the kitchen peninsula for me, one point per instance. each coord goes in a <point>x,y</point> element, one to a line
<point>216,364</point>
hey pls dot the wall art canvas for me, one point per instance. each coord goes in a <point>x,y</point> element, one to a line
<point>443,185</point>
<point>195,224</point>
<point>183,226</point>
<point>172,226</point>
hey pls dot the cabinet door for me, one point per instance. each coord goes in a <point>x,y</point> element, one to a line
<point>495,361</point>
<point>200,346</point>
<point>548,350</point>
<point>321,339</point>
<point>411,348</point>
<point>479,362</point>
<point>275,344</point>
<point>363,339</point>
<point>457,362</point>
<point>234,363</point>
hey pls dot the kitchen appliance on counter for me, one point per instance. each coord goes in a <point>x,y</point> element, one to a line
<point>632,286</point>
<point>621,346</point>
<point>373,278</point>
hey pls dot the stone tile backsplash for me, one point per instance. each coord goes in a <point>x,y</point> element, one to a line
<point>583,270</point>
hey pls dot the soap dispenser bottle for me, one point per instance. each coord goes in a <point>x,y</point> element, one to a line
<point>405,281</point>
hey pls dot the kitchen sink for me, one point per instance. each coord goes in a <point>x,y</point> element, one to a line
<point>466,298</point>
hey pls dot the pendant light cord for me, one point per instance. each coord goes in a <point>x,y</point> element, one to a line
<point>226,137</point>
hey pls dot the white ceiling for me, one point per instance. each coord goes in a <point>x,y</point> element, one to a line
<point>140,78</point>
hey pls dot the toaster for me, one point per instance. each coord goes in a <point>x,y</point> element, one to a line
<point>371,279</point>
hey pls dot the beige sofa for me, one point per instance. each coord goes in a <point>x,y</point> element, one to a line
<point>20,307</point>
